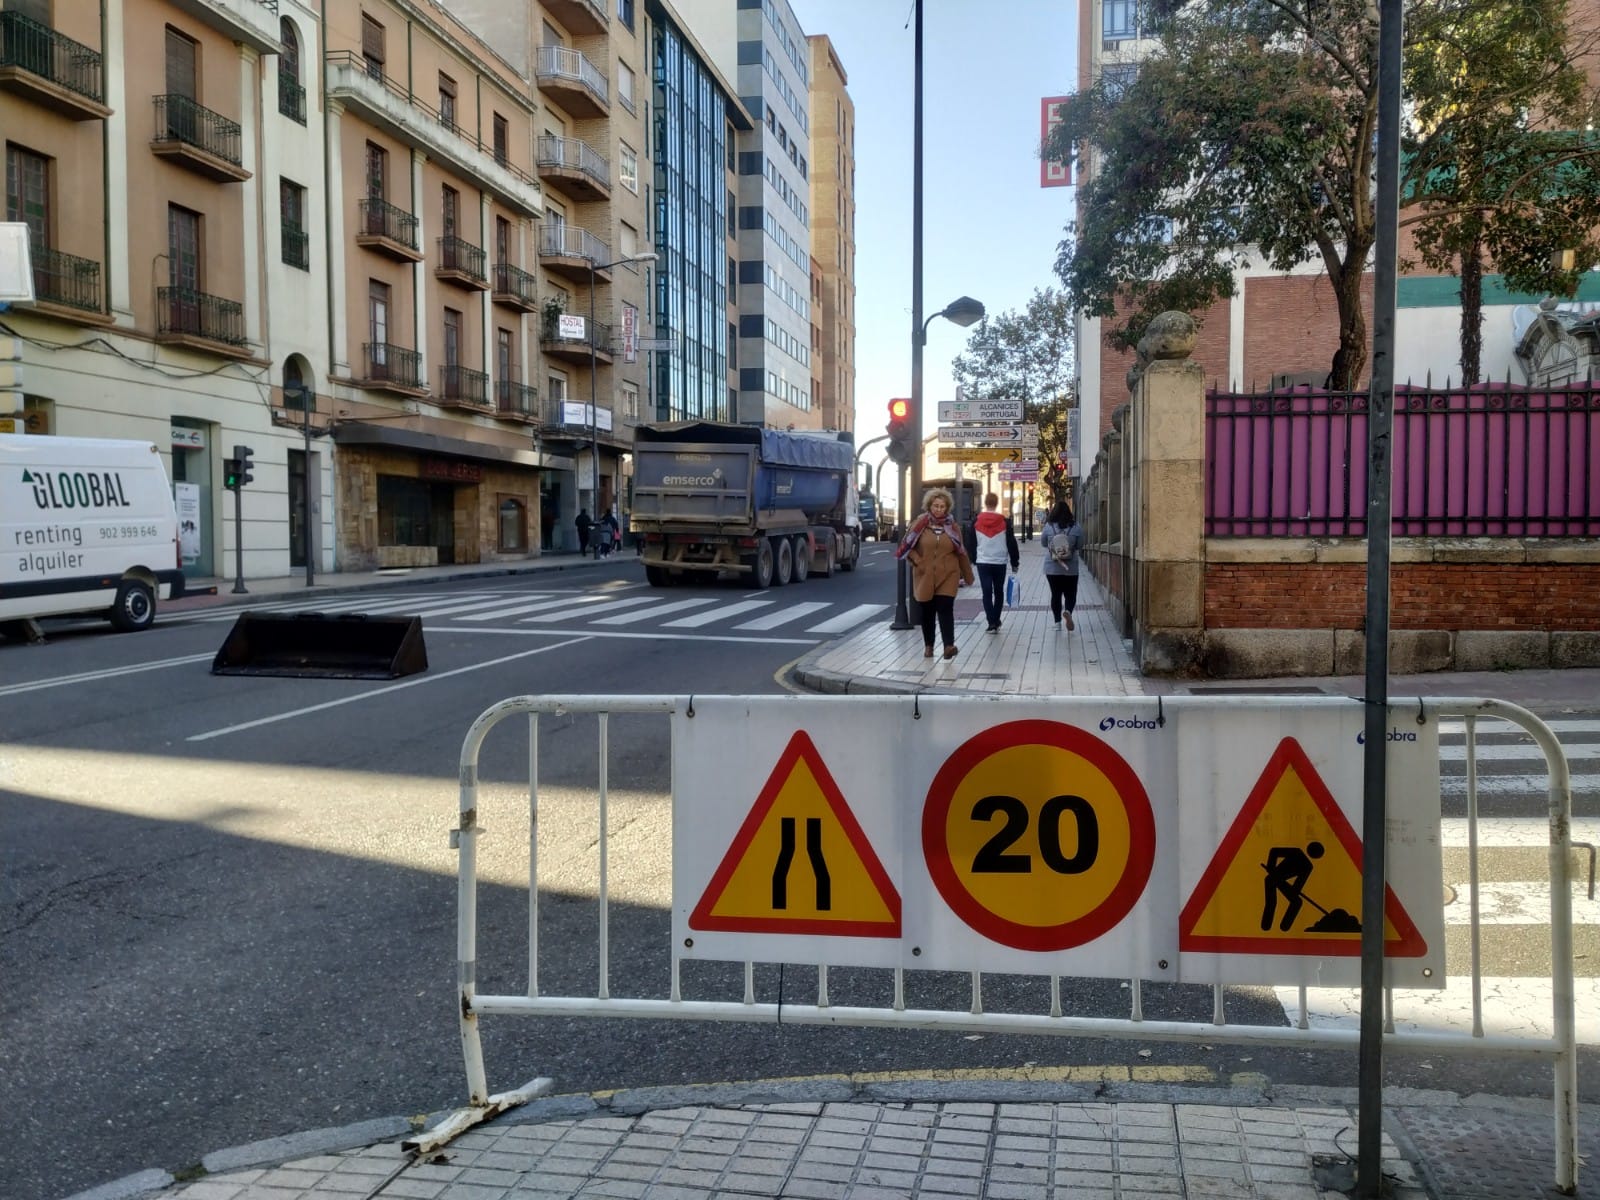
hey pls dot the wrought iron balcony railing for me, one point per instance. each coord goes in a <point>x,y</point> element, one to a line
<point>463,385</point>
<point>388,363</point>
<point>186,312</point>
<point>458,254</point>
<point>296,247</point>
<point>514,285</point>
<point>66,279</point>
<point>41,51</point>
<point>291,97</point>
<point>516,399</point>
<point>180,119</point>
<point>379,218</point>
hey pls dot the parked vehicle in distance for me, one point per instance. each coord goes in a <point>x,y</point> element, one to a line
<point>869,517</point>
<point>773,506</point>
<point>87,525</point>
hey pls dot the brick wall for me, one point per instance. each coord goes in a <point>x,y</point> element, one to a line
<point>1505,597</point>
<point>1291,324</point>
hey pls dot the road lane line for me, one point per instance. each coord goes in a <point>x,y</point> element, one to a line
<point>659,610</point>
<point>716,614</point>
<point>848,619</point>
<point>513,610</point>
<point>17,689</point>
<point>584,610</point>
<point>784,615</point>
<point>650,636</point>
<point>383,691</point>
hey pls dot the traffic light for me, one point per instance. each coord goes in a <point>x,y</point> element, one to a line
<point>902,438</point>
<point>236,471</point>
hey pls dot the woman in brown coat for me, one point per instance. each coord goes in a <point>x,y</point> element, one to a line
<point>939,566</point>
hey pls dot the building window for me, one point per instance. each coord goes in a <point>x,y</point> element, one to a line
<point>627,239</point>
<point>502,139</point>
<point>502,240</point>
<point>182,58</point>
<point>28,193</point>
<point>625,13</point>
<point>513,525</point>
<point>291,93</point>
<point>447,102</point>
<point>450,209</point>
<point>557,384</point>
<point>377,172</point>
<point>630,401</point>
<point>628,168</point>
<point>378,317</point>
<point>372,46</point>
<point>1117,78</point>
<point>296,248</point>
<point>1119,19</point>
<point>452,337</point>
<point>625,85</point>
<point>505,368</point>
<point>183,248</point>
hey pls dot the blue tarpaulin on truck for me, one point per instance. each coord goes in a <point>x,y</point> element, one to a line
<point>778,447</point>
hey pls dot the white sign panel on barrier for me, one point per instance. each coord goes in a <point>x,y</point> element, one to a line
<point>1094,838</point>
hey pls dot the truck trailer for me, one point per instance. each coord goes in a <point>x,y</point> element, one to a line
<point>768,506</point>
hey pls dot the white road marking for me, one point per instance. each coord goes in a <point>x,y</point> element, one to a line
<point>1515,785</point>
<point>784,615</point>
<point>1517,903</point>
<point>416,681</point>
<point>1513,831</point>
<point>517,609</point>
<point>1512,1005</point>
<point>591,632</point>
<point>1575,752</point>
<point>1457,727</point>
<point>38,685</point>
<point>849,619</point>
<point>585,610</point>
<point>717,614</point>
<point>659,610</point>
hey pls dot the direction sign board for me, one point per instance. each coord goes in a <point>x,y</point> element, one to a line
<point>949,454</point>
<point>980,410</point>
<point>989,433</point>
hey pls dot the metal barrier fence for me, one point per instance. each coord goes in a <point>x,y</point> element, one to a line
<point>851,718</point>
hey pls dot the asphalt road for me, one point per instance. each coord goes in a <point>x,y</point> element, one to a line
<point>227,903</point>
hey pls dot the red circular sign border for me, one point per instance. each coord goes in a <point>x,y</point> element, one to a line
<point>1136,804</point>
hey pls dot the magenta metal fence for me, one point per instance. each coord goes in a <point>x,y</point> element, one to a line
<point>1492,460</point>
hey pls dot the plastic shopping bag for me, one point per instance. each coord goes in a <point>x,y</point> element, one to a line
<point>1011,590</point>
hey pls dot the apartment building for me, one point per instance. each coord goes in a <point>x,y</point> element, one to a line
<point>833,241</point>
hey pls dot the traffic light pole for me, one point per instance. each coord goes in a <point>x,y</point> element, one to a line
<point>911,472</point>
<point>238,541</point>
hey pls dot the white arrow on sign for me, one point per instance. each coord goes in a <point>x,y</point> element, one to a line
<point>989,433</point>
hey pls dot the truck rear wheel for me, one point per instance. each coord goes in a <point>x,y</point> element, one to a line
<point>658,576</point>
<point>848,561</point>
<point>802,557</point>
<point>785,558</point>
<point>762,564</point>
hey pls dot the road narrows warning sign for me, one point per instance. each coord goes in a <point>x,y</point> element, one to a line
<point>1286,879</point>
<point>800,863</point>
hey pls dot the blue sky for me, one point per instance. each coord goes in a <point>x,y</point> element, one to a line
<point>989,230</point>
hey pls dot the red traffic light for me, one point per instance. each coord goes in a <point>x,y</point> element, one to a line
<point>899,409</point>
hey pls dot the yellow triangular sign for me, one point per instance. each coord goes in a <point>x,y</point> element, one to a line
<point>1287,877</point>
<point>800,863</point>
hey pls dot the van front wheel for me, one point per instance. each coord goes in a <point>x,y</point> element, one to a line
<point>134,608</point>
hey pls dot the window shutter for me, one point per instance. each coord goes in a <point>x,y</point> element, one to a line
<point>180,65</point>
<point>371,39</point>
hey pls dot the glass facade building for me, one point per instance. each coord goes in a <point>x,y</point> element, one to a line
<point>690,131</point>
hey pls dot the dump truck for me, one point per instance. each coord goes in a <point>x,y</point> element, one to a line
<point>713,500</point>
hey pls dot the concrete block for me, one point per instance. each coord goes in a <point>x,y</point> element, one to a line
<point>1260,550</point>
<point>1564,550</point>
<point>1411,651</point>
<point>1479,550</point>
<point>1576,648</point>
<point>1497,650</point>
<point>1173,595</point>
<point>1267,653</point>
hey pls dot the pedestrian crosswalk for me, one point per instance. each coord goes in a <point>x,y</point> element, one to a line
<point>1509,763</point>
<point>597,612</point>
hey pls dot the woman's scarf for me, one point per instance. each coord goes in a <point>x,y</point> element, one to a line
<point>948,526</point>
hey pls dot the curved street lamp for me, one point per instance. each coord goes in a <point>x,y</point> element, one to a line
<point>648,256</point>
<point>963,311</point>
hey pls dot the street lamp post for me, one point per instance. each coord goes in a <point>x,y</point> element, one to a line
<point>648,256</point>
<point>963,311</point>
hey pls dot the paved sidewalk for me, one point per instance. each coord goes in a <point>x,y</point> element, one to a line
<point>1046,1134</point>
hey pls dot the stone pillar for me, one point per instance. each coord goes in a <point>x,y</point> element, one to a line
<point>250,195</point>
<point>340,352</point>
<point>118,137</point>
<point>1168,500</point>
<point>419,273</point>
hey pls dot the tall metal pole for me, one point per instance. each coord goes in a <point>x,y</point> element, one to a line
<point>307,398</point>
<point>911,473</point>
<point>1380,422</point>
<point>238,542</point>
<point>594,410</point>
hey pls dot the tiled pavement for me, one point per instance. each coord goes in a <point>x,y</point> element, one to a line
<point>864,1140</point>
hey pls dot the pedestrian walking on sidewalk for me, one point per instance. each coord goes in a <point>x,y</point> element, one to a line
<point>991,544</point>
<point>939,566</point>
<point>584,524</point>
<point>1063,543</point>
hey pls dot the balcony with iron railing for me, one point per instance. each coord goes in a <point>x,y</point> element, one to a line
<point>202,141</point>
<point>568,77</point>
<point>573,166</point>
<point>388,229</point>
<point>462,387</point>
<point>296,246</point>
<point>291,97</point>
<point>579,16</point>
<point>513,287</point>
<point>570,251</point>
<point>51,69</point>
<point>65,281</point>
<point>250,22</point>
<point>576,350</point>
<point>188,317</point>
<point>516,401</point>
<point>461,262</point>
<point>392,368</point>
<point>395,109</point>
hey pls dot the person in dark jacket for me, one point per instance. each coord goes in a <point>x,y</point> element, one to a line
<point>584,523</point>
<point>992,544</point>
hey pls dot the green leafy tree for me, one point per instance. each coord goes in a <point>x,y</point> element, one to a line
<point>1029,356</point>
<point>1249,135</point>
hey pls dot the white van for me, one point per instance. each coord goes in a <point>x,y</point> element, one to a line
<point>86,526</point>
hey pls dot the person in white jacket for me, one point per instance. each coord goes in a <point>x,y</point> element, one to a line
<point>991,544</point>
